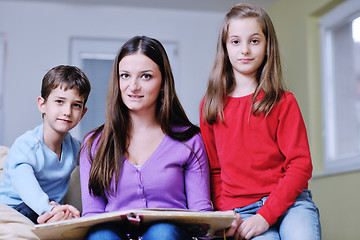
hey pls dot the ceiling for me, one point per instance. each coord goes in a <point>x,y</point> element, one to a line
<point>197,5</point>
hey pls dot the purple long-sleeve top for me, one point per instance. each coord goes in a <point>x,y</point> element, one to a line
<point>176,175</point>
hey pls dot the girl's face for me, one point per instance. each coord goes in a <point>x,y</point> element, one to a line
<point>245,44</point>
<point>140,83</point>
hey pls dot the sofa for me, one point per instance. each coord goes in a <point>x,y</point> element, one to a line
<point>13,225</point>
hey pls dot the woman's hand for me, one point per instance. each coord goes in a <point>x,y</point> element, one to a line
<point>253,226</point>
<point>59,213</point>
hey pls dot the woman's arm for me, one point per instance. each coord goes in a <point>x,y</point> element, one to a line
<point>197,177</point>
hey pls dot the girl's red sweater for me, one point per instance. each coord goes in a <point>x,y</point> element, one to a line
<point>256,156</point>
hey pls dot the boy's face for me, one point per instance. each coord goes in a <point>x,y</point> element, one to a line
<point>62,110</point>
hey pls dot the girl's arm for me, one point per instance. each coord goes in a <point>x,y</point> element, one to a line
<point>293,145</point>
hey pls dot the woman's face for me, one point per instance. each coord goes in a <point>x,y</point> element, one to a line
<point>140,83</point>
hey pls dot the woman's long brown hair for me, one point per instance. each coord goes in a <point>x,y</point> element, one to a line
<point>114,134</point>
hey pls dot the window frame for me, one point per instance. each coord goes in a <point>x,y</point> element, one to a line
<point>342,14</point>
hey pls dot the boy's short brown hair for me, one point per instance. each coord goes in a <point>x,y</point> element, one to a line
<point>68,77</point>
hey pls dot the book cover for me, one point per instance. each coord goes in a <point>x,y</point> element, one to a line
<point>198,223</point>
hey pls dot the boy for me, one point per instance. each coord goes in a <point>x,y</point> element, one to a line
<point>38,167</point>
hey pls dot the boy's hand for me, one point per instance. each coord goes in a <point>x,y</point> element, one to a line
<point>53,203</point>
<point>59,213</point>
<point>253,226</point>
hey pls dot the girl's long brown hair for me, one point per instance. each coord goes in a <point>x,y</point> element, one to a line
<point>269,75</point>
<point>115,132</point>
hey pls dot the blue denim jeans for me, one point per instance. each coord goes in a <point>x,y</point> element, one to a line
<point>159,231</point>
<point>300,222</point>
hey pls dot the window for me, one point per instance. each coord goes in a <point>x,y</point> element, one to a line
<point>95,57</point>
<point>340,43</point>
<point>2,59</point>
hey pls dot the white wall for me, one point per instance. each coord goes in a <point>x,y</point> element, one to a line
<point>37,38</point>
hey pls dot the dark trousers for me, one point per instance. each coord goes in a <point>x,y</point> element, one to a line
<point>27,212</point>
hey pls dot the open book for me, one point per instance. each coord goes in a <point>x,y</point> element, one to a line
<point>200,224</point>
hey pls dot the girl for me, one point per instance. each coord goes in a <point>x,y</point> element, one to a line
<point>147,154</point>
<point>255,136</point>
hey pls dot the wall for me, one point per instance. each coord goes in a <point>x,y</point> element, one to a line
<point>37,38</point>
<point>296,23</point>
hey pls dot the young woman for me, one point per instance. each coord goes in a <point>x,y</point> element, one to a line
<point>255,135</point>
<point>147,154</point>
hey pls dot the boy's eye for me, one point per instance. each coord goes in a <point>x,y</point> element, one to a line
<point>146,76</point>
<point>77,105</point>
<point>124,76</point>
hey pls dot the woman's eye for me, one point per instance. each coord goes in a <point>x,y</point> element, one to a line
<point>59,101</point>
<point>146,76</point>
<point>124,76</point>
<point>254,41</point>
<point>235,42</point>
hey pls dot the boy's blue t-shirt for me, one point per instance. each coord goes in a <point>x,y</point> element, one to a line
<point>33,173</point>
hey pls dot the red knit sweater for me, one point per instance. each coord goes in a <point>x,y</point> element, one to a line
<point>255,156</point>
